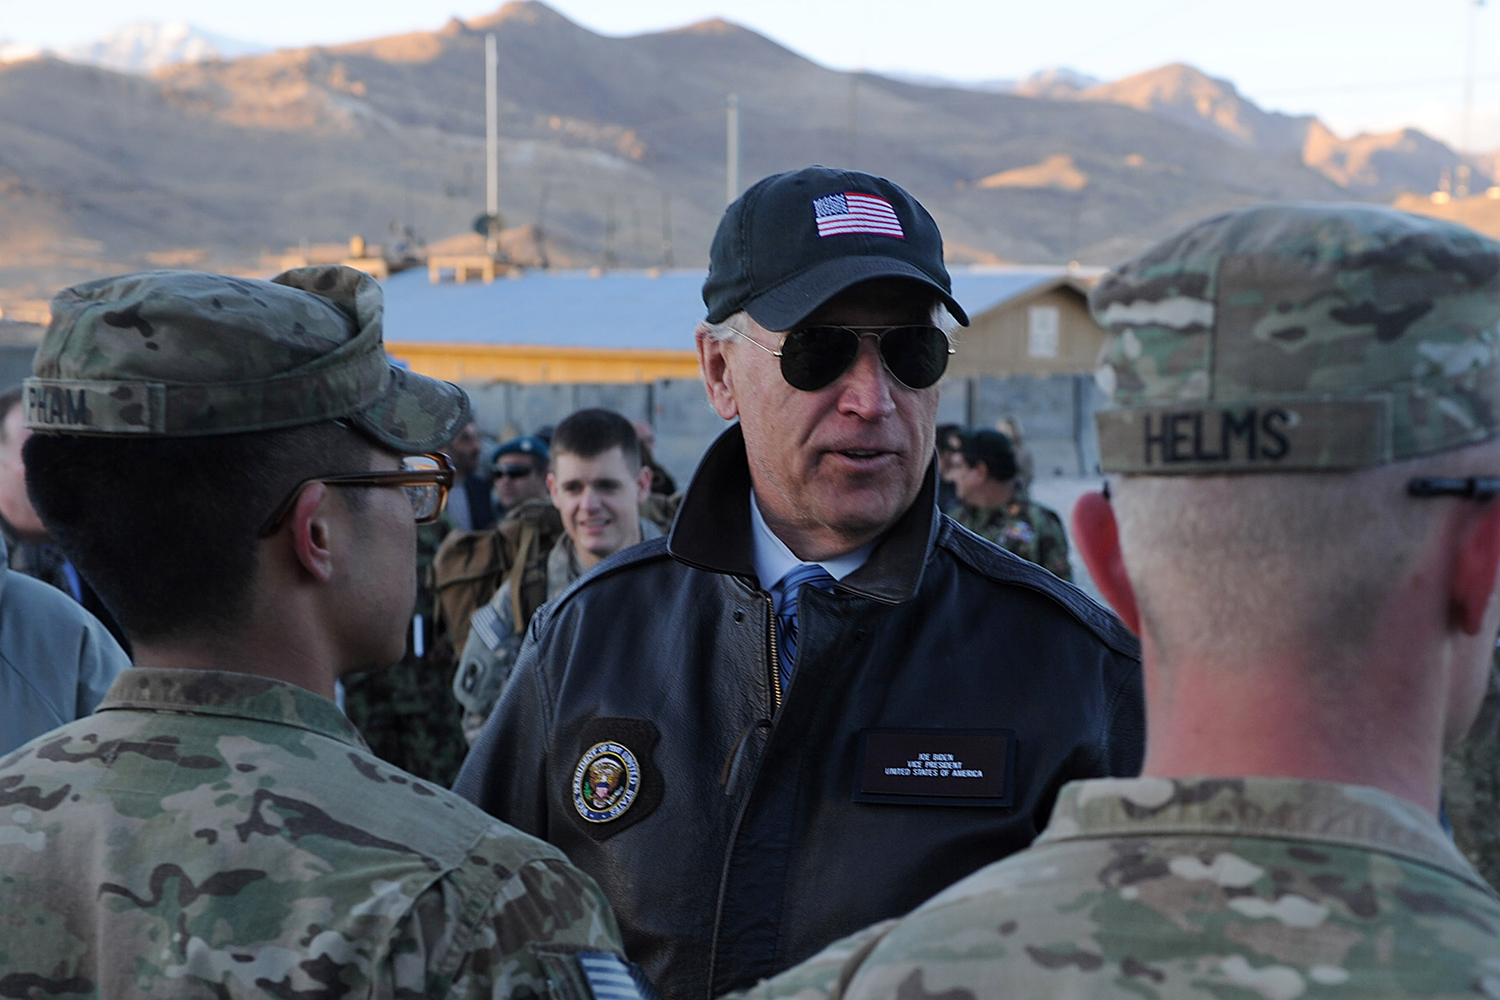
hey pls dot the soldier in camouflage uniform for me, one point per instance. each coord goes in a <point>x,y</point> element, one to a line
<point>1304,529</point>
<point>991,506</point>
<point>223,458</point>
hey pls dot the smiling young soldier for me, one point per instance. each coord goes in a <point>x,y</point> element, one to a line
<point>787,762</point>
<point>224,459</point>
<point>1317,605</point>
<point>597,482</point>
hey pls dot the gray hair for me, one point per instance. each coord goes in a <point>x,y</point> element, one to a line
<point>739,323</point>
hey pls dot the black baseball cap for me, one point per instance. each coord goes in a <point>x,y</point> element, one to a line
<point>794,240</point>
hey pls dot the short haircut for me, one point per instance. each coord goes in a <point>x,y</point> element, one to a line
<point>945,433</point>
<point>1227,569</point>
<point>166,530</point>
<point>591,432</point>
<point>993,449</point>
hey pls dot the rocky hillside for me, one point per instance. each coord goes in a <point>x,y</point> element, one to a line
<point>610,143</point>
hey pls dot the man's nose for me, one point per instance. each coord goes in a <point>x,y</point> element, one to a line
<point>865,389</point>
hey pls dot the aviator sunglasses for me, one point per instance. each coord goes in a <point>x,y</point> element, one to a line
<point>813,357</point>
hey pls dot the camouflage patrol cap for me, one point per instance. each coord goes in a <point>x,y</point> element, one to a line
<point>187,354</point>
<point>1299,337</point>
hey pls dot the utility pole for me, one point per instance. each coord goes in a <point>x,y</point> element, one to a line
<point>666,230</point>
<point>1461,172</point>
<point>853,121</point>
<point>732,151</point>
<point>609,231</point>
<point>491,133</point>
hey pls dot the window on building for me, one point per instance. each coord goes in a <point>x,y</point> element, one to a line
<point>1041,331</point>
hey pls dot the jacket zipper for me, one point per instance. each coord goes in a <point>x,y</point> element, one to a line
<point>775,657</point>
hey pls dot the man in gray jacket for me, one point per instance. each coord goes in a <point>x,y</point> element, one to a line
<point>597,482</point>
<point>56,659</point>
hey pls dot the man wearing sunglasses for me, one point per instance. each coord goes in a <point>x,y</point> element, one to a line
<point>819,701</point>
<point>1301,524</point>
<point>520,467</point>
<point>240,470</point>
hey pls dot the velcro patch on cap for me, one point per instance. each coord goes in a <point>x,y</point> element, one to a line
<point>850,212</point>
<point>82,406</point>
<point>1270,436</point>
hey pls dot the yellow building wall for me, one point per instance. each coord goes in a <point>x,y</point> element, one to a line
<point>996,342</point>
<point>533,363</point>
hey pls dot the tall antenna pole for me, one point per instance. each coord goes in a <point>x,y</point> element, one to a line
<point>853,121</point>
<point>666,230</point>
<point>732,151</point>
<point>491,127</point>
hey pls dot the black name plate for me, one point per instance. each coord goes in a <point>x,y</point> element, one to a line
<point>950,767</point>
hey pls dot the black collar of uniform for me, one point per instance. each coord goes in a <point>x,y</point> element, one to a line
<point>712,530</point>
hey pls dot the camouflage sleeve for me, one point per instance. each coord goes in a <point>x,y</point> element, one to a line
<point>489,656</point>
<point>473,936</point>
<point>826,975</point>
<point>1052,544</point>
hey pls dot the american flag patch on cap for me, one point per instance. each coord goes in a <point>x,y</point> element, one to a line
<point>850,212</point>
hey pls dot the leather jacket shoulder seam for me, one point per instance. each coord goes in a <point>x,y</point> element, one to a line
<point>1000,566</point>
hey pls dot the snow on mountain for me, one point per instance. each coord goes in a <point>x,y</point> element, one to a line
<point>146,46</point>
<point>15,51</point>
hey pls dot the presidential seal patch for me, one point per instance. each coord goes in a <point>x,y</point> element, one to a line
<point>605,782</point>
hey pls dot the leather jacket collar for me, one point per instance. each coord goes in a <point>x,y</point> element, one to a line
<point>712,530</point>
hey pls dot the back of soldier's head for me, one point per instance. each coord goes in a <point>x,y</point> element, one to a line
<point>1277,375</point>
<point>174,410</point>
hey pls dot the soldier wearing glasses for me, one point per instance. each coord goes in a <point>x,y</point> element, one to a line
<point>240,470</point>
<point>818,701</point>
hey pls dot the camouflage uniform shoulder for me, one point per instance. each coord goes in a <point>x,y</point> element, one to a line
<point>238,823</point>
<point>994,563</point>
<point>1192,888</point>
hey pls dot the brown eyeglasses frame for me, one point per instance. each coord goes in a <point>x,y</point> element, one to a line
<point>442,477</point>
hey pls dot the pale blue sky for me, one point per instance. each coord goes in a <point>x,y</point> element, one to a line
<point>1367,65</point>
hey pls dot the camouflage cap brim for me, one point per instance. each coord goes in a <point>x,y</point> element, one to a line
<point>1299,337</point>
<point>414,414</point>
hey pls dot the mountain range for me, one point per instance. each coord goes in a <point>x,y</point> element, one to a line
<point>612,150</point>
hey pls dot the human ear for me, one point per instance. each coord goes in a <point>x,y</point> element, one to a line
<point>715,365</point>
<point>1474,570</point>
<point>1097,536</point>
<point>643,484</point>
<point>552,489</point>
<point>311,538</point>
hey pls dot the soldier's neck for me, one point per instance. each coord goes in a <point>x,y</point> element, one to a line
<point>278,654</point>
<point>1270,719</point>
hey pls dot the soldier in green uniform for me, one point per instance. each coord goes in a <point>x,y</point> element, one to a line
<point>240,469</point>
<point>984,475</point>
<point>1304,530</point>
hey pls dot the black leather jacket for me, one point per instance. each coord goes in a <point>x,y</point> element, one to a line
<point>755,833</point>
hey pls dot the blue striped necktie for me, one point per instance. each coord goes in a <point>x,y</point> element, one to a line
<point>789,587</point>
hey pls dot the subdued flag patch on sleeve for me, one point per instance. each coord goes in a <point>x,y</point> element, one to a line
<point>594,975</point>
<point>609,977</point>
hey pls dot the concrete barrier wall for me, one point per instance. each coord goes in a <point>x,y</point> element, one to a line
<point>1056,413</point>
